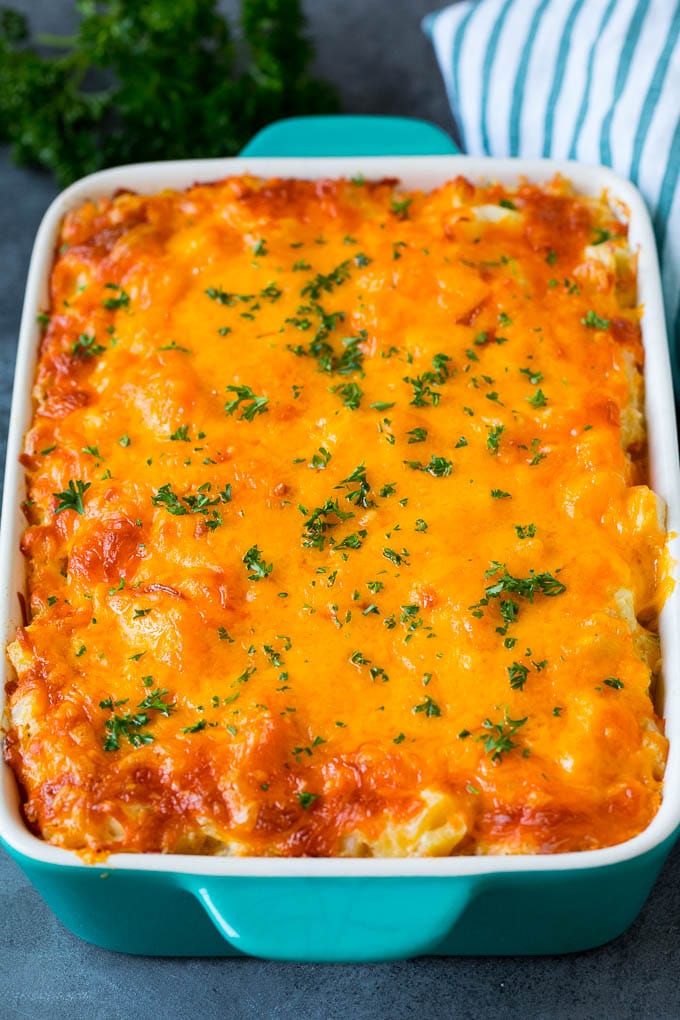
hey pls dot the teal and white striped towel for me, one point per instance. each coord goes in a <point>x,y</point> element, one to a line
<point>593,80</point>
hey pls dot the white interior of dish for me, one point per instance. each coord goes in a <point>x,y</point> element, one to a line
<point>414,172</point>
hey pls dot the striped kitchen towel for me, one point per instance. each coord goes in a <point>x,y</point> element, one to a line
<point>593,80</point>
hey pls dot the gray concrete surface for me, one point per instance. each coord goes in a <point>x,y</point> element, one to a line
<point>374,51</point>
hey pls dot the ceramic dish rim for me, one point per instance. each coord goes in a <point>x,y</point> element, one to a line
<point>413,171</point>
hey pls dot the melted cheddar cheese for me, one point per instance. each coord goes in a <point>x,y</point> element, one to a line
<point>339,541</point>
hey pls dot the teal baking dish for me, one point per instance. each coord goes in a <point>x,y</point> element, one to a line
<point>354,910</point>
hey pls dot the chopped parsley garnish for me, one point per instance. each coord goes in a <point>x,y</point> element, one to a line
<point>526,587</point>
<point>539,399</point>
<point>174,346</point>
<point>499,740</point>
<point>354,541</point>
<point>500,494</point>
<point>181,434</point>
<point>154,700</point>
<point>199,502</point>
<point>601,235</point>
<point>320,459</point>
<point>72,498</point>
<point>594,321</point>
<point>351,394</point>
<point>358,487</point>
<point>196,728</point>
<point>525,530</point>
<point>423,394</point>
<point>493,438</point>
<point>223,297</point>
<point>320,521</point>
<point>533,375</point>
<point>121,300</point>
<point>306,799</point>
<point>254,562</point>
<point>130,726</point>
<point>327,281</point>
<point>417,435</point>
<point>253,404</point>
<point>428,707</point>
<point>271,292</point>
<point>613,681</point>
<point>517,674</point>
<point>400,207</point>
<point>86,346</point>
<point>537,455</point>
<point>439,467</point>
<point>394,557</point>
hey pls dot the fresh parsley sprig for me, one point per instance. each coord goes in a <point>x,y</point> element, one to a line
<point>149,104</point>
<point>252,403</point>
<point>72,498</point>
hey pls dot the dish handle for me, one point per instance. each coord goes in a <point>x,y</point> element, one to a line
<point>350,135</point>
<point>324,919</point>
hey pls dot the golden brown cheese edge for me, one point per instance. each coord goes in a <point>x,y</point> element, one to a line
<point>338,533</point>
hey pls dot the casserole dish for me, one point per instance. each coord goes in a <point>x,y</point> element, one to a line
<point>354,909</point>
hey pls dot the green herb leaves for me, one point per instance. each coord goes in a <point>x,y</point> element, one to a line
<point>499,737</point>
<point>320,521</point>
<point>358,487</point>
<point>72,498</point>
<point>306,799</point>
<point>525,530</point>
<point>131,727</point>
<point>252,404</point>
<point>126,726</point>
<point>493,438</point>
<point>423,393</point>
<point>400,207</point>
<point>86,346</point>
<point>154,702</point>
<point>225,297</point>
<point>327,281</point>
<point>51,116</point>
<point>428,707</point>
<point>594,321</point>
<point>526,587</point>
<point>350,394</point>
<point>121,299</point>
<point>517,674</point>
<point>504,585</point>
<point>438,467</point>
<point>256,565</point>
<point>200,502</point>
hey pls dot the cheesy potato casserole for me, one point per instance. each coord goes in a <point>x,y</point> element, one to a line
<point>339,540</point>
